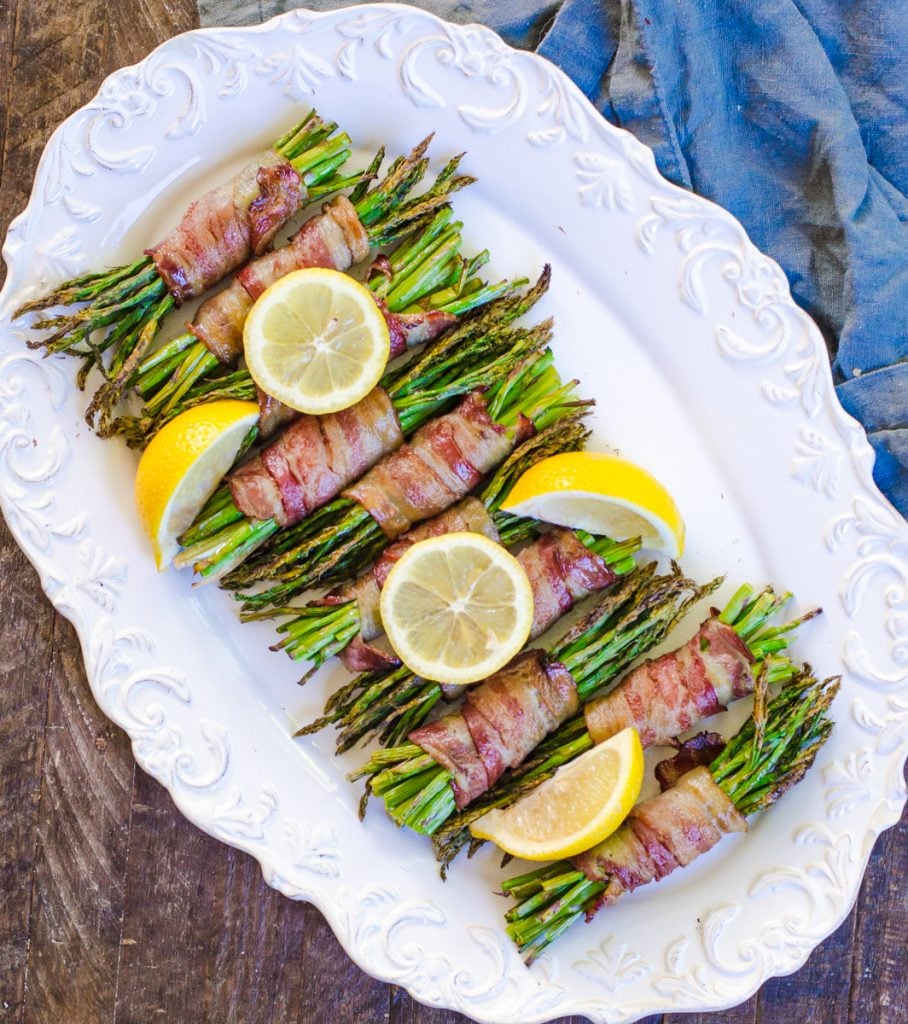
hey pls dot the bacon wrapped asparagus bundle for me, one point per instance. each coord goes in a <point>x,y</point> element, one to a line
<point>218,233</point>
<point>561,569</point>
<point>670,694</point>
<point>445,459</point>
<point>769,754</point>
<point>661,698</point>
<point>292,478</point>
<point>424,287</point>
<point>337,238</point>
<point>465,358</point>
<point>451,762</point>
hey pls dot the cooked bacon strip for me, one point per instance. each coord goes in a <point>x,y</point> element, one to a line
<point>664,696</point>
<point>562,572</point>
<point>660,834</point>
<point>334,239</point>
<point>500,722</point>
<point>468,516</point>
<point>272,414</point>
<point>314,459</point>
<point>409,329</point>
<point>703,748</point>
<point>218,322</point>
<point>443,462</point>
<point>220,231</point>
<point>449,742</point>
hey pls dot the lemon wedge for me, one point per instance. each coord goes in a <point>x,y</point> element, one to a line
<point>603,494</point>
<point>578,807</point>
<point>182,466</point>
<point>316,341</point>
<point>456,608</point>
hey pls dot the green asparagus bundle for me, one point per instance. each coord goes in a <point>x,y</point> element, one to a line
<point>422,793</point>
<point>766,757</point>
<point>425,275</point>
<point>522,393</point>
<point>476,354</point>
<point>390,703</point>
<point>123,308</point>
<point>660,698</point>
<point>425,279</point>
<point>560,566</point>
<point>337,238</point>
<point>424,782</point>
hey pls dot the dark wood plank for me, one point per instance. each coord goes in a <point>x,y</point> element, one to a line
<point>405,1010</point>
<point>7,57</point>
<point>819,992</point>
<point>333,988</point>
<point>745,1013</point>
<point>60,55</point>
<point>201,928</point>
<point>169,940</point>
<point>65,773</point>
<point>83,827</point>
<point>879,966</point>
<point>28,630</point>
<point>25,670</point>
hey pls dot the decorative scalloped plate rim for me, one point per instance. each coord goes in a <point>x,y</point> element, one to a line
<point>732,324</point>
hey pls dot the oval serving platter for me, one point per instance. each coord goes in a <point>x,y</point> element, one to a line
<point>703,369</point>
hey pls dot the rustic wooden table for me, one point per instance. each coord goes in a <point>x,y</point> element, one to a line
<point>114,908</point>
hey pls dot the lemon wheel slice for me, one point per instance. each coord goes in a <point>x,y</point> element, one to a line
<point>578,807</point>
<point>316,341</point>
<point>182,466</point>
<point>603,494</point>
<point>456,608</point>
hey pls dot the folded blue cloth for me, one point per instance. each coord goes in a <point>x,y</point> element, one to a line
<point>811,98</point>
<point>792,114</point>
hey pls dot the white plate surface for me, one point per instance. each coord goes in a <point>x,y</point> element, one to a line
<point>704,370</point>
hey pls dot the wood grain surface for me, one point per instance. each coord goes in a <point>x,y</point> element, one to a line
<point>113,908</point>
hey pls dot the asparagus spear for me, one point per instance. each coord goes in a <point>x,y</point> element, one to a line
<point>769,754</point>
<point>472,355</point>
<point>127,304</point>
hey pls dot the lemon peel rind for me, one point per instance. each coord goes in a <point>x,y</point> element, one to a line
<point>599,478</point>
<point>174,454</point>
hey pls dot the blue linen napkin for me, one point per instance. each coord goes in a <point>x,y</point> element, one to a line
<point>809,97</point>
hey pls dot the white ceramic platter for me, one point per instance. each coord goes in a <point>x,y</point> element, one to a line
<point>704,370</point>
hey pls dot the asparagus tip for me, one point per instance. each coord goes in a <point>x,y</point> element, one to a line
<point>313,727</point>
<point>306,676</point>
